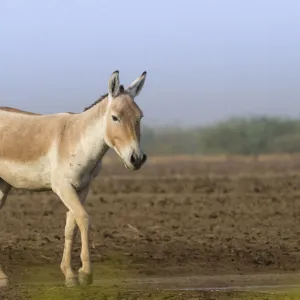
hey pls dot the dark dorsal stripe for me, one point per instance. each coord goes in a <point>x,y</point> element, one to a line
<point>31,113</point>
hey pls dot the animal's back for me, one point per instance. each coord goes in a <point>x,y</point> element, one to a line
<point>26,141</point>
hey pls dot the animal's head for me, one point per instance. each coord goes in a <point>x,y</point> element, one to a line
<point>123,121</point>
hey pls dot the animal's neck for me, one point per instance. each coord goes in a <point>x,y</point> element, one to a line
<point>92,134</point>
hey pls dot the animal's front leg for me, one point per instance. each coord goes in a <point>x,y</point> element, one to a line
<point>70,234</point>
<point>66,267</point>
<point>76,213</point>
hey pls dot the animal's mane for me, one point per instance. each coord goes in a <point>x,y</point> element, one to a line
<point>121,89</point>
<point>96,102</point>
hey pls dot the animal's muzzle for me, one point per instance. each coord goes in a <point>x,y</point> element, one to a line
<point>138,160</point>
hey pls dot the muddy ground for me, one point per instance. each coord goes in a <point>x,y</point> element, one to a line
<point>174,217</point>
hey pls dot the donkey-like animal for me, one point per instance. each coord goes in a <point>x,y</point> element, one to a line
<point>63,152</point>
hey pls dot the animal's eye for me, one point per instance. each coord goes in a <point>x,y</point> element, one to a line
<point>115,119</point>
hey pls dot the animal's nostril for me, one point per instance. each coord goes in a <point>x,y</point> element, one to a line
<point>133,159</point>
<point>144,158</point>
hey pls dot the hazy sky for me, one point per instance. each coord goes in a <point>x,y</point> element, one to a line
<point>206,60</point>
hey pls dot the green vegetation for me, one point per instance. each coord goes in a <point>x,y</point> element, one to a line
<point>94,293</point>
<point>244,136</point>
<point>116,280</point>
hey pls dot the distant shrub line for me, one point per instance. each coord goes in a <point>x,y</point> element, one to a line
<point>245,136</point>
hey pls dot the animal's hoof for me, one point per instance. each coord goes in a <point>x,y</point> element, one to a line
<point>71,281</point>
<point>3,280</point>
<point>85,278</point>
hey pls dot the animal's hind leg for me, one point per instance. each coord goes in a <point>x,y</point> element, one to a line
<point>4,190</point>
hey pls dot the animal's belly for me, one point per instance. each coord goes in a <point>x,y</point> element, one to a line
<point>31,175</point>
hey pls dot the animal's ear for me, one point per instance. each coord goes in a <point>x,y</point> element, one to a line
<point>137,85</point>
<point>114,84</point>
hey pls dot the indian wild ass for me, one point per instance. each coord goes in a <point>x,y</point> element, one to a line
<point>63,152</point>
